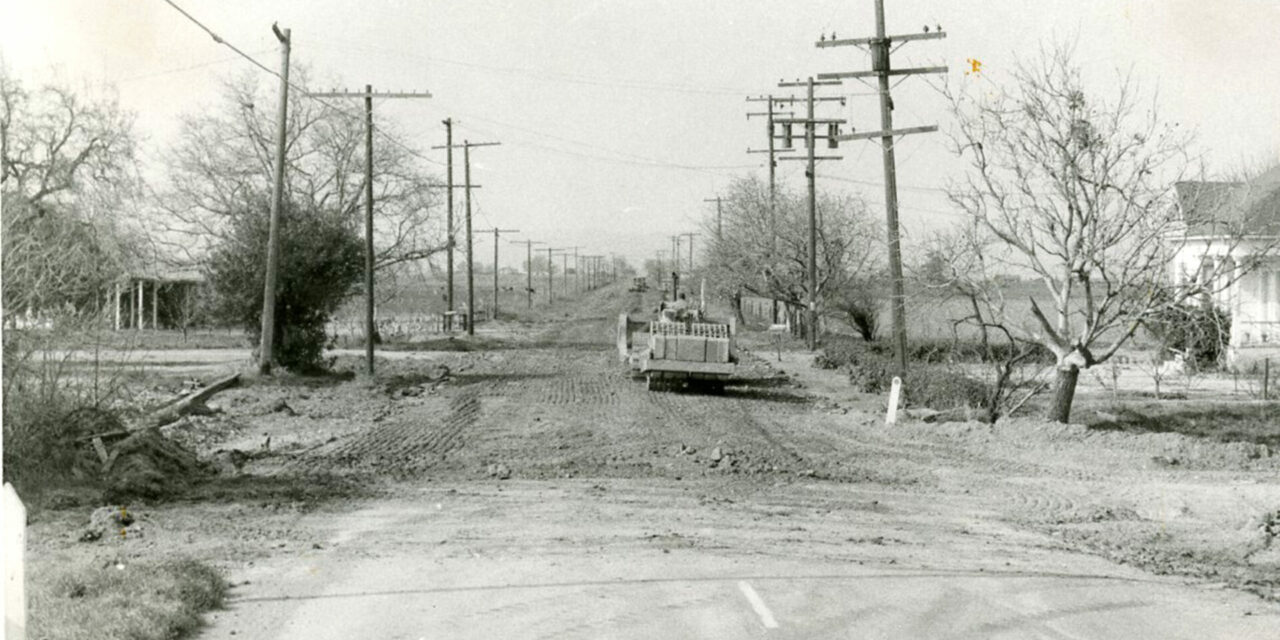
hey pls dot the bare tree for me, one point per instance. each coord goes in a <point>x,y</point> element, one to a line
<point>67,179</point>
<point>744,256</point>
<point>223,161</point>
<point>955,267</point>
<point>1078,189</point>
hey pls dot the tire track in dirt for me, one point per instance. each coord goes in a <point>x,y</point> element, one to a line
<point>408,443</point>
<point>734,424</point>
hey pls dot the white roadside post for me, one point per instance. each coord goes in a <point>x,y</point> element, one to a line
<point>894,394</point>
<point>15,558</point>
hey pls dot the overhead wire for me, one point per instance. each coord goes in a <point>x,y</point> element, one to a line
<point>165,72</point>
<point>306,93</point>
<point>628,158</point>
<point>546,75</point>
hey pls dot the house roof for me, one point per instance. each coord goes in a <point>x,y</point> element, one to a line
<point>166,273</point>
<point>1250,208</point>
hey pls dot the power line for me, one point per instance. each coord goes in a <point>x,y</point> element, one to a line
<point>547,75</point>
<point>191,67</point>
<point>306,93</point>
<point>629,158</point>
<point>218,39</point>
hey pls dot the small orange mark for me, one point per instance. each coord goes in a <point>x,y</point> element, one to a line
<point>975,66</point>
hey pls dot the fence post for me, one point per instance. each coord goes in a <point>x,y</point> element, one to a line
<point>14,545</point>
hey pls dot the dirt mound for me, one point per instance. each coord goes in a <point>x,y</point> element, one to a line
<point>116,521</point>
<point>150,466</point>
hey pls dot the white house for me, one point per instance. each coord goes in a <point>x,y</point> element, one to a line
<point>1229,241</point>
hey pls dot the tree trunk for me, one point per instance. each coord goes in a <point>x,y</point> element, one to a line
<point>735,301</point>
<point>1063,393</point>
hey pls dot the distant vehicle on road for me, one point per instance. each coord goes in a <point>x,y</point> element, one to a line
<point>639,285</point>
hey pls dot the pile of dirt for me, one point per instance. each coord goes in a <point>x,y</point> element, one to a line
<point>149,466</point>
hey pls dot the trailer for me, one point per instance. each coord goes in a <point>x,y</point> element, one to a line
<point>677,354</point>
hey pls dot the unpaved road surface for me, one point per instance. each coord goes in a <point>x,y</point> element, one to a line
<point>541,492</point>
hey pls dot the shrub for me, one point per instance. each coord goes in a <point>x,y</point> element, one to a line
<point>55,392</point>
<point>1199,332</point>
<point>861,302</point>
<point>871,369</point>
<point>321,259</point>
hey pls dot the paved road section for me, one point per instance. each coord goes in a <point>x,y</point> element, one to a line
<point>570,560</point>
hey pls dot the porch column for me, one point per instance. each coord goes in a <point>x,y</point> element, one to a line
<point>155,305</point>
<point>141,305</point>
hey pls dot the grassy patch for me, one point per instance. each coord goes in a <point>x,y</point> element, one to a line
<point>1253,423</point>
<point>144,600</point>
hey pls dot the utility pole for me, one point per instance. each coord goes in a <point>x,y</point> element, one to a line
<point>448,143</point>
<point>368,96</point>
<point>496,232</point>
<point>774,101</point>
<point>881,46</point>
<point>471,284</point>
<point>593,271</point>
<point>577,271</point>
<point>690,235</point>
<point>811,136</point>
<point>550,273</point>
<point>720,212</point>
<point>564,265</point>
<point>528,266</point>
<point>771,101</point>
<point>266,350</point>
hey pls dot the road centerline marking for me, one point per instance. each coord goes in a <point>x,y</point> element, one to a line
<point>757,603</point>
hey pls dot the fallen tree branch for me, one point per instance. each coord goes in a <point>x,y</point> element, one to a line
<point>192,403</point>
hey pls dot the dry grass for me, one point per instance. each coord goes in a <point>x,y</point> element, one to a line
<point>142,600</point>
<point>1255,423</point>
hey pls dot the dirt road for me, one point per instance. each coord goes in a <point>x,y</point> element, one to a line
<point>543,493</point>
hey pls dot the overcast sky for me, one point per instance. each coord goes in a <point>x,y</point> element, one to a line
<point>618,118</point>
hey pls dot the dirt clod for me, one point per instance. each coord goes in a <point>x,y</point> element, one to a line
<point>282,406</point>
<point>111,521</point>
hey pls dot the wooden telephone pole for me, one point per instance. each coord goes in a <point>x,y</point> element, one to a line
<point>266,350</point>
<point>550,272</point>
<point>690,236</point>
<point>881,46</point>
<point>811,136</point>
<point>368,95</point>
<point>528,266</point>
<point>496,232</point>
<point>448,145</point>
<point>719,216</point>
<point>769,114</point>
<point>471,283</point>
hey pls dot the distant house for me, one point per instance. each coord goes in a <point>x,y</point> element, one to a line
<point>156,296</point>
<point>1227,227</point>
